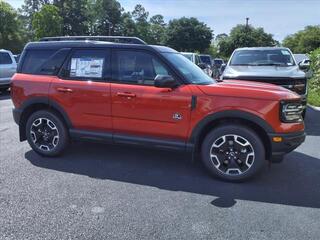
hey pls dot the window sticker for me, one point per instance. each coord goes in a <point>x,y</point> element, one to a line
<point>86,67</point>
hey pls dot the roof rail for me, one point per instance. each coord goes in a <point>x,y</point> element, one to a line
<point>116,39</point>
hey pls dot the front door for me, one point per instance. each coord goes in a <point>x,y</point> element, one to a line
<point>139,108</point>
<point>83,91</point>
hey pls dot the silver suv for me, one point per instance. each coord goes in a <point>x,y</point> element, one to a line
<point>274,65</point>
<point>8,67</point>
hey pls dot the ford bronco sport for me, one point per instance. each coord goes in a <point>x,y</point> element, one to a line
<point>150,96</point>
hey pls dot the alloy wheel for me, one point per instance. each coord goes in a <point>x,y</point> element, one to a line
<point>44,134</point>
<point>232,154</point>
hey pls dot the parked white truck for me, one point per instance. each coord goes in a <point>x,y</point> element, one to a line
<point>8,67</point>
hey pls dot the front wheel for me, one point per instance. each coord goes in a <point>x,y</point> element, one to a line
<point>46,133</point>
<point>233,152</point>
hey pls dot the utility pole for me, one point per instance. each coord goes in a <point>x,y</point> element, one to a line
<point>247,21</point>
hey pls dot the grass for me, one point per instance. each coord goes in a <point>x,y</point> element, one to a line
<point>314,97</point>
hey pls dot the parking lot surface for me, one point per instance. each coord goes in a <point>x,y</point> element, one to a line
<point>97,191</point>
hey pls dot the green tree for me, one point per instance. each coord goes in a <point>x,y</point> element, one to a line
<point>10,34</point>
<point>47,22</point>
<point>157,29</point>
<point>127,26</point>
<point>106,17</point>
<point>304,41</point>
<point>188,34</point>
<point>244,36</point>
<point>31,6</point>
<point>140,15</point>
<point>75,16</point>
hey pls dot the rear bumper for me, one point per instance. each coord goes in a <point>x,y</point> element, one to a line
<point>290,141</point>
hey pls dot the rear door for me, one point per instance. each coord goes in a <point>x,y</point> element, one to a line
<point>83,91</point>
<point>140,108</point>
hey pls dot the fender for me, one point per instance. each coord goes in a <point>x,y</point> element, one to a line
<point>232,114</point>
<point>19,113</point>
<point>47,101</point>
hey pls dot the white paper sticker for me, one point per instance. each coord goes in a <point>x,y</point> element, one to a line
<point>86,67</point>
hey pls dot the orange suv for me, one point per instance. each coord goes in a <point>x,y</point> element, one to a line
<point>132,93</point>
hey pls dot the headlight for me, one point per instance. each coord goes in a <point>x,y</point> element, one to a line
<point>290,111</point>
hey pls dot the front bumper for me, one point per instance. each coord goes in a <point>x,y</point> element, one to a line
<point>290,141</point>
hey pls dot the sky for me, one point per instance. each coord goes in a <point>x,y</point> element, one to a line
<point>278,17</point>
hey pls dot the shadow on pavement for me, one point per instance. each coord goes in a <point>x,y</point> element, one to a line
<point>4,95</point>
<point>295,182</point>
<point>312,122</point>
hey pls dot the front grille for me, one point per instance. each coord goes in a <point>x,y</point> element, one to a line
<point>297,85</point>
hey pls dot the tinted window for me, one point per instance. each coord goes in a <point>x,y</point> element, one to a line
<point>87,64</point>
<point>34,59</point>
<point>54,63</point>
<point>5,58</point>
<point>138,67</point>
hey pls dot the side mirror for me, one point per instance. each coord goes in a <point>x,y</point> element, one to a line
<point>165,81</point>
<point>202,65</point>
<point>304,64</point>
<point>223,67</point>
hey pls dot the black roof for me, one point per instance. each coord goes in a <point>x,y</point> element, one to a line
<point>94,44</point>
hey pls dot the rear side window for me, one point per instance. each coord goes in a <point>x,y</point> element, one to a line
<point>34,59</point>
<point>87,65</point>
<point>54,63</point>
<point>5,58</point>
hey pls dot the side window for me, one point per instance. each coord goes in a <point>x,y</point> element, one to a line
<point>54,63</point>
<point>88,64</point>
<point>5,58</point>
<point>34,59</point>
<point>136,67</point>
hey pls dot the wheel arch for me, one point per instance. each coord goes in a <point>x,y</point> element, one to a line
<point>254,122</point>
<point>36,104</point>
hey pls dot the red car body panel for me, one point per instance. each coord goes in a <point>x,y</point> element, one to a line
<point>148,110</point>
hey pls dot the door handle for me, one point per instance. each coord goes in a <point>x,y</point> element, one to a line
<point>126,94</point>
<point>65,90</point>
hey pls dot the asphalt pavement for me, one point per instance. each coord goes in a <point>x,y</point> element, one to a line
<point>97,191</point>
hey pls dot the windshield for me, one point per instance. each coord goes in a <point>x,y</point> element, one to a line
<point>206,59</point>
<point>189,70</point>
<point>277,57</point>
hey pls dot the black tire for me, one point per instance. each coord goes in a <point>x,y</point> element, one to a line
<point>60,130</point>
<point>220,164</point>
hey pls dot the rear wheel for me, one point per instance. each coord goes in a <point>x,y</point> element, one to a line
<point>46,133</point>
<point>233,152</point>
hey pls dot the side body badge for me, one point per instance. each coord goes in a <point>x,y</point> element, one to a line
<point>177,116</point>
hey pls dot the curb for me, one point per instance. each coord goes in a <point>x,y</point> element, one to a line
<point>314,107</point>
